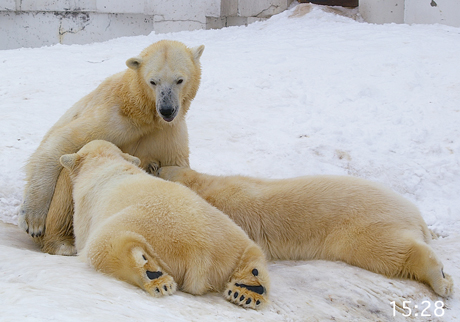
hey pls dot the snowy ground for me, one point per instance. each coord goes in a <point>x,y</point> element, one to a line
<point>316,94</point>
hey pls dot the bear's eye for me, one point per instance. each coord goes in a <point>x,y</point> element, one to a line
<point>153,83</point>
<point>180,81</point>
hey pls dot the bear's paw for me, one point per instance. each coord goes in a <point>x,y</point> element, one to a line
<point>153,168</point>
<point>159,284</point>
<point>445,287</point>
<point>154,279</point>
<point>248,296</point>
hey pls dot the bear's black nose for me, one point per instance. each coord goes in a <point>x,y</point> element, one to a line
<point>167,111</point>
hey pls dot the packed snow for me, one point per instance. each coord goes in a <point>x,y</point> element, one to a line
<point>317,93</point>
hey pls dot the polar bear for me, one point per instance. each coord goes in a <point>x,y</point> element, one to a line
<point>141,110</point>
<point>154,234</point>
<point>325,217</point>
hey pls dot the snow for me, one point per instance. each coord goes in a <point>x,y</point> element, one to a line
<point>291,96</point>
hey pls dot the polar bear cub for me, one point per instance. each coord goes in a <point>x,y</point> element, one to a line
<point>326,217</point>
<point>158,235</point>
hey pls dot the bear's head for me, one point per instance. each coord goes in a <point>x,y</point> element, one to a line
<point>96,149</point>
<point>170,74</point>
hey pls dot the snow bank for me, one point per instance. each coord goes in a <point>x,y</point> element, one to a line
<point>315,94</point>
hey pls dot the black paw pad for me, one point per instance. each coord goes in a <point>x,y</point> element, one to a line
<point>154,275</point>
<point>259,289</point>
<point>258,302</point>
<point>235,295</point>
<point>255,272</point>
<point>242,298</point>
<point>249,301</point>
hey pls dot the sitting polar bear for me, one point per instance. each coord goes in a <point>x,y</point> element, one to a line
<point>141,110</point>
<point>154,234</point>
<point>325,217</point>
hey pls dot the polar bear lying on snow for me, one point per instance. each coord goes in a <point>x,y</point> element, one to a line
<point>326,217</point>
<point>154,234</point>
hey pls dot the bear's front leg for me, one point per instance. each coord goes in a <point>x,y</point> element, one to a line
<point>38,193</point>
<point>43,170</point>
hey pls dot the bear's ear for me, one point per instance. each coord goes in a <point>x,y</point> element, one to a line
<point>70,161</point>
<point>134,63</point>
<point>134,160</point>
<point>197,52</point>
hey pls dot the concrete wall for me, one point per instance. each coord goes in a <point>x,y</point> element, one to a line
<point>36,29</point>
<point>382,11</point>
<point>411,11</point>
<point>34,23</point>
<point>433,11</point>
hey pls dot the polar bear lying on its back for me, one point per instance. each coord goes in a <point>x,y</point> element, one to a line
<point>326,217</point>
<point>154,234</point>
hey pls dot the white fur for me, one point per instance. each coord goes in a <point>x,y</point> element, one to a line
<point>325,217</point>
<point>128,222</point>
<point>123,109</point>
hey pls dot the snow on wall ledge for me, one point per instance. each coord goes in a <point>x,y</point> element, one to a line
<point>35,23</point>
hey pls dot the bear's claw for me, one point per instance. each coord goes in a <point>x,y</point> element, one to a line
<point>153,167</point>
<point>248,296</point>
<point>155,281</point>
<point>160,286</point>
<point>34,225</point>
<point>445,287</point>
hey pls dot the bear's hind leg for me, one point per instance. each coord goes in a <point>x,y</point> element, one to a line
<point>249,284</point>
<point>153,279</point>
<point>58,238</point>
<point>128,257</point>
<point>423,265</point>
